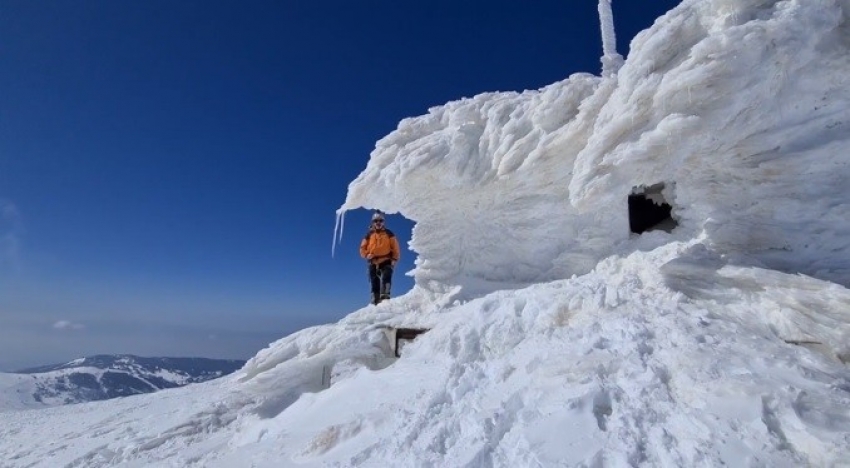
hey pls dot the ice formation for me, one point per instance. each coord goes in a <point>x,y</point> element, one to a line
<point>740,108</point>
<point>611,60</point>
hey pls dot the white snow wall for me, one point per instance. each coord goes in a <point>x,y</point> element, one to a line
<point>741,107</point>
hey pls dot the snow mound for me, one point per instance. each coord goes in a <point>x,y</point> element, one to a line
<point>740,108</point>
<point>695,362</point>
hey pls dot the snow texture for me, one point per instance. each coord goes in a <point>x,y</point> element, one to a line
<point>556,337</point>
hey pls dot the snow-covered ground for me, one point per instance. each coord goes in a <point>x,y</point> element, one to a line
<point>557,337</point>
<point>681,365</point>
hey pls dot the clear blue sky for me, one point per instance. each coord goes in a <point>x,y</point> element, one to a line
<point>169,171</point>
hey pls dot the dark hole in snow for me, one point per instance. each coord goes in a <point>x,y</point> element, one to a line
<point>404,336</point>
<point>649,210</point>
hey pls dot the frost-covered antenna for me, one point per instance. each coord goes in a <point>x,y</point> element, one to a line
<point>611,60</point>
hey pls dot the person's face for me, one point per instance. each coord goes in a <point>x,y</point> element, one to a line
<point>378,223</point>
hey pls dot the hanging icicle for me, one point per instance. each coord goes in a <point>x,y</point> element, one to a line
<point>339,228</point>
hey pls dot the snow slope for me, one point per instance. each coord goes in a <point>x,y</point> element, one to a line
<point>104,376</point>
<point>16,392</point>
<point>556,337</point>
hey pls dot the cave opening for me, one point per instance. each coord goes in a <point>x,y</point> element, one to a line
<point>649,210</point>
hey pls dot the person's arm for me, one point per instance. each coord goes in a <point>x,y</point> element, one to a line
<point>395,250</point>
<point>364,245</point>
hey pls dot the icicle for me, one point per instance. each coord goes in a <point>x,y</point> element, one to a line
<point>339,220</point>
<point>611,60</point>
<point>341,226</point>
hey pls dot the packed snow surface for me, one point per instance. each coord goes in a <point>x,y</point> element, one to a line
<point>557,338</point>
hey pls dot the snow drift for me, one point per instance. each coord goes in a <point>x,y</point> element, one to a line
<point>558,337</point>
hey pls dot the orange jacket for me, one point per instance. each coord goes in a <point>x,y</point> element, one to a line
<point>381,244</point>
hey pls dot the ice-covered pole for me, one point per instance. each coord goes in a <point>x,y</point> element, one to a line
<point>611,60</point>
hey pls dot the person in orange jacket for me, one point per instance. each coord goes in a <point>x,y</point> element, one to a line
<point>380,249</point>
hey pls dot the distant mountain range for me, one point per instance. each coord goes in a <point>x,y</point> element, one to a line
<point>103,377</point>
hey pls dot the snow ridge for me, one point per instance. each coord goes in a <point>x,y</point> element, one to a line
<point>103,377</point>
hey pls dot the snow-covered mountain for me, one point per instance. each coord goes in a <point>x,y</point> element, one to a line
<point>103,377</point>
<point>647,268</point>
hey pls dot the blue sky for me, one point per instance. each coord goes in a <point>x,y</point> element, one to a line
<point>169,171</point>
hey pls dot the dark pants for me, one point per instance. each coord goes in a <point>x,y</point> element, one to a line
<point>381,277</point>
